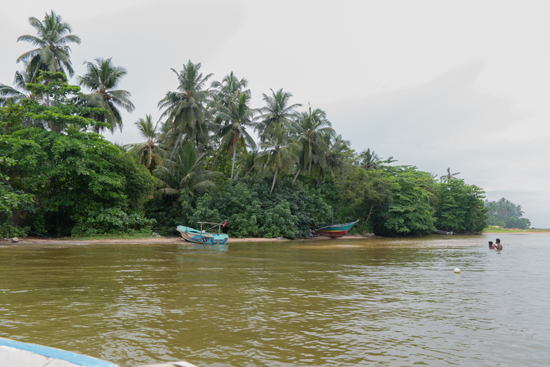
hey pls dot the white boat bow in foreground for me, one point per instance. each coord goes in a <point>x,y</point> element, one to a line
<point>19,354</point>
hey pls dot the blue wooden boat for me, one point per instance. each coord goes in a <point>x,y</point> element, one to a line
<point>18,354</point>
<point>201,236</point>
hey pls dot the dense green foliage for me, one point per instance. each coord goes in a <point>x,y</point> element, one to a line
<point>460,207</point>
<point>506,214</point>
<point>199,162</point>
<point>80,182</point>
<point>249,209</point>
<point>409,210</point>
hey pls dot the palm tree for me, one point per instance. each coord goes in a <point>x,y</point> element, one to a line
<point>279,152</point>
<point>19,91</point>
<point>52,52</point>
<point>310,129</point>
<point>250,161</point>
<point>449,176</point>
<point>370,161</point>
<point>229,89</point>
<point>224,94</point>
<point>239,116</point>
<point>184,173</point>
<point>102,78</point>
<point>335,153</point>
<point>150,152</point>
<point>186,108</point>
<point>276,111</point>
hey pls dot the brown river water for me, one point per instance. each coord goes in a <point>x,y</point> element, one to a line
<point>384,302</point>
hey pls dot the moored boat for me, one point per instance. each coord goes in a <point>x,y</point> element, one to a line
<point>334,230</point>
<point>202,237</point>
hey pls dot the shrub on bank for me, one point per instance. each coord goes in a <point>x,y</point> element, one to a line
<point>249,209</point>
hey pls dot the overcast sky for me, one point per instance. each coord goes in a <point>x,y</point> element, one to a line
<point>435,84</point>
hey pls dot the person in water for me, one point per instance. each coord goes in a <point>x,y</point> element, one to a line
<point>498,245</point>
<point>491,246</point>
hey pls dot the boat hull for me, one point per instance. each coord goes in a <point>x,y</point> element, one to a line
<point>195,236</point>
<point>18,354</point>
<point>335,230</point>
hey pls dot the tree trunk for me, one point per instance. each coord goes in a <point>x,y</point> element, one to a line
<point>215,159</point>
<point>176,146</point>
<point>250,170</point>
<point>370,212</point>
<point>233,164</point>
<point>295,177</point>
<point>274,179</point>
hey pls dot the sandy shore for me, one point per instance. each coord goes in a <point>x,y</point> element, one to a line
<point>179,240</point>
<point>155,240</point>
<point>526,232</point>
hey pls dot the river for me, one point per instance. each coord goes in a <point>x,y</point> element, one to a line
<point>386,302</point>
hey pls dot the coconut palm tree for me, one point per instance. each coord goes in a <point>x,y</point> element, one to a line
<point>310,129</point>
<point>449,176</point>
<point>150,152</point>
<point>102,78</point>
<point>277,111</point>
<point>279,152</point>
<point>229,89</point>
<point>184,172</point>
<point>239,116</point>
<point>19,91</point>
<point>335,155</point>
<point>225,93</point>
<point>250,161</point>
<point>52,40</point>
<point>370,161</point>
<point>186,108</point>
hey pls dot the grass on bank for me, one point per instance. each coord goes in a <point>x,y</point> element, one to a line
<point>497,229</point>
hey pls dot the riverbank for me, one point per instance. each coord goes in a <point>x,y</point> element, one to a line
<point>146,240</point>
<point>180,241</point>
<point>517,231</point>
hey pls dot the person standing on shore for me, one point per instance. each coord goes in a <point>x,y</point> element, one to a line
<point>498,245</point>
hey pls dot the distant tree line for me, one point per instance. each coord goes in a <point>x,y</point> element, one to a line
<point>199,162</point>
<point>506,214</point>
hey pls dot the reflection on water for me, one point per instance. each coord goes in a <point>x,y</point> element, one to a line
<point>346,303</point>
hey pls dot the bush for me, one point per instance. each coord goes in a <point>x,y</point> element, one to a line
<point>72,176</point>
<point>460,207</point>
<point>111,221</point>
<point>249,209</point>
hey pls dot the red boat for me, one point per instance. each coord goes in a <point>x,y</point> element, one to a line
<point>334,230</point>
